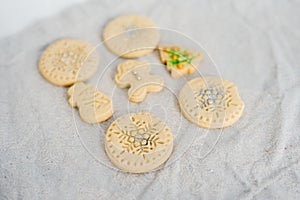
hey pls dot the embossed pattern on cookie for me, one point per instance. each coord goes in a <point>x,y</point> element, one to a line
<point>136,76</point>
<point>131,36</point>
<point>211,102</point>
<point>68,61</point>
<point>138,142</point>
<point>179,62</point>
<point>93,105</point>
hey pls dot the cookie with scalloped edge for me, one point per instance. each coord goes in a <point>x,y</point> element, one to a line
<point>131,36</point>
<point>211,102</point>
<point>67,61</point>
<point>93,105</point>
<point>138,142</point>
<point>179,61</point>
<point>136,75</point>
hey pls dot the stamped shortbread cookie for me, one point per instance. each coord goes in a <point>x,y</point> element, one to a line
<point>93,105</point>
<point>178,61</point>
<point>68,61</point>
<point>211,102</point>
<point>131,36</point>
<point>135,75</point>
<point>138,142</point>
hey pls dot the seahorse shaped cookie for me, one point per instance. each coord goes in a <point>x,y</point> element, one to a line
<point>93,105</point>
<point>136,75</point>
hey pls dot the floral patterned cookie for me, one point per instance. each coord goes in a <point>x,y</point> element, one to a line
<point>68,61</point>
<point>131,36</point>
<point>179,62</point>
<point>135,75</point>
<point>211,102</point>
<point>138,142</point>
<point>93,105</point>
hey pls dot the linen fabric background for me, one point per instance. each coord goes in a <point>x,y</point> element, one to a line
<point>47,152</point>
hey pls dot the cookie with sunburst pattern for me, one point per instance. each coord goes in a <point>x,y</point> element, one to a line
<point>68,61</point>
<point>138,142</point>
<point>211,102</point>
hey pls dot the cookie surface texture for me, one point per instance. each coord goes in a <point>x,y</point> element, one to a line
<point>68,61</point>
<point>179,62</point>
<point>93,105</point>
<point>211,102</point>
<point>136,75</point>
<point>138,142</point>
<point>131,36</point>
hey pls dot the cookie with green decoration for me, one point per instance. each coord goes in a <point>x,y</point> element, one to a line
<point>179,61</point>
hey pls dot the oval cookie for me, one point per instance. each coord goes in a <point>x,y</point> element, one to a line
<point>93,105</point>
<point>131,36</point>
<point>211,102</point>
<point>68,61</point>
<point>138,142</point>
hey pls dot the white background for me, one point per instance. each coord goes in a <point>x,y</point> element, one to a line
<point>17,14</point>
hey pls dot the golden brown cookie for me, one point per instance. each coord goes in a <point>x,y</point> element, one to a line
<point>68,61</point>
<point>178,61</point>
<point>211,102</point>
<point>93,105</point>
<point>138,142</point>
<point>131,36</point>
<point>136,75</point>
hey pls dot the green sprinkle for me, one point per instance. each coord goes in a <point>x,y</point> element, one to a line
<point>182,57</point>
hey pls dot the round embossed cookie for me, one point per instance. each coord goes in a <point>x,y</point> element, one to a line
<point>131,36</point>
<point>68,61</point>
<point>211,102</point>
<point>138,142</point>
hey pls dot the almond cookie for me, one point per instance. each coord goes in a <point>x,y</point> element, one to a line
<point>178,61</point>
<point>211,102</point>
<point>138,142</point>
<point>68,61</point>
<point>135,75</point>
<point>93,105</point>
<point>131,36</point>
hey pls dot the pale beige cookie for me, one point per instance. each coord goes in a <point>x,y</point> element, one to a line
<point>135,75</point>
<point>178,61</point>
<point>131,36</point>
<point>211,102</point>
<point>93,105</point>
<point>138,142</point>
<point>68,61</point>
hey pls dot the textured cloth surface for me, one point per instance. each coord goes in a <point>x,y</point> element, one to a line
<point>47,152</point>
